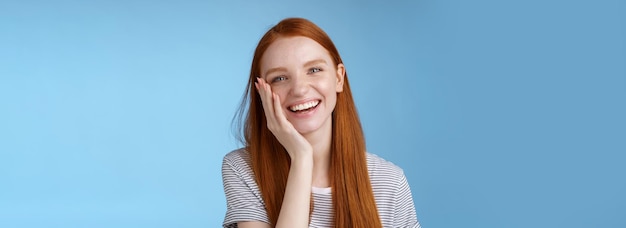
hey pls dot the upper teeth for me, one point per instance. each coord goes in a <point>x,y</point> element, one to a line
<point>304,106</point>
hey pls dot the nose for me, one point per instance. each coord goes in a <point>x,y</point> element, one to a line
<point>300,86</point>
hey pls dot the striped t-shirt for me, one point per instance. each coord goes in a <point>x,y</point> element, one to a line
<point>245,203</point>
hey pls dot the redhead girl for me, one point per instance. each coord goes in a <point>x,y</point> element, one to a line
<point>304,163</point>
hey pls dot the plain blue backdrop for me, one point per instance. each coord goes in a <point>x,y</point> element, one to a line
<point>501,113</point>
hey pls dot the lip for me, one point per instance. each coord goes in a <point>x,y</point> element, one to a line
<point>302,102</point>
<point>303,114</point>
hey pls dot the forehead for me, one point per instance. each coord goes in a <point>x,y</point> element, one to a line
<point>292,52</point>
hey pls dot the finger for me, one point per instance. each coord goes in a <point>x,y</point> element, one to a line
<point>278,110</point>
<point>261,90</point>
<point>266,98</point>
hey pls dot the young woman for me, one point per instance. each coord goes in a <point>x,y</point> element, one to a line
<point>304,163</point>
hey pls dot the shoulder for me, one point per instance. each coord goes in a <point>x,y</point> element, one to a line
<point>238,177</point>
<point>244,201</point>
<point>237,158</point>
<point>391,193</point>
<point>385,177</point>
<point>379,167</point>
<point>237,163</point>
<point>236,155</point>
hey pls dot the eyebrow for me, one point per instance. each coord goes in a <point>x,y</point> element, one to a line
<point>275,69</point>
<point>309,63</point>
<point>315,61</point>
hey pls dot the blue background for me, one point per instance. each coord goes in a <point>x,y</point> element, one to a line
<point>501,113</point>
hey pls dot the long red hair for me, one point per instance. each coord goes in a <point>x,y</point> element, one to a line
<point>353,199</point>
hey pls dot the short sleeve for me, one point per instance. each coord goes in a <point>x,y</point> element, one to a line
<point>243,198</point>
<point>404,209</point>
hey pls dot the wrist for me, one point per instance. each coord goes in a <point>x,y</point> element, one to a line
<point>304,159</point>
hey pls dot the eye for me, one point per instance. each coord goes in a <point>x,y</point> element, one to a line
<point>278,79</point>
<point>314,70</point>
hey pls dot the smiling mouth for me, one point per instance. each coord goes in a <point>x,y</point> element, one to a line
<point>305,106</point>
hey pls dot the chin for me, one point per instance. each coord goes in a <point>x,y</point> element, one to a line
<point>306,129</point>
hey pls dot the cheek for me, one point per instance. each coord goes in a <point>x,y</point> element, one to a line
<point>281,92</point>
<point>329,88</point>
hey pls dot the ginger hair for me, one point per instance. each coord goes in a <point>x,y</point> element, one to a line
<point>352,196</point>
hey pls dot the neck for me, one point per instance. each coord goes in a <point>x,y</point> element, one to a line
<point>320,140</point>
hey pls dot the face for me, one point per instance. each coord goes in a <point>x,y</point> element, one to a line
<point>301,72</point>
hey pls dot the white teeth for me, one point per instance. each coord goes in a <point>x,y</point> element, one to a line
<point>304,106</point>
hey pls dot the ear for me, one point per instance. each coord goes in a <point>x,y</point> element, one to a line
<point>341,74</point>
